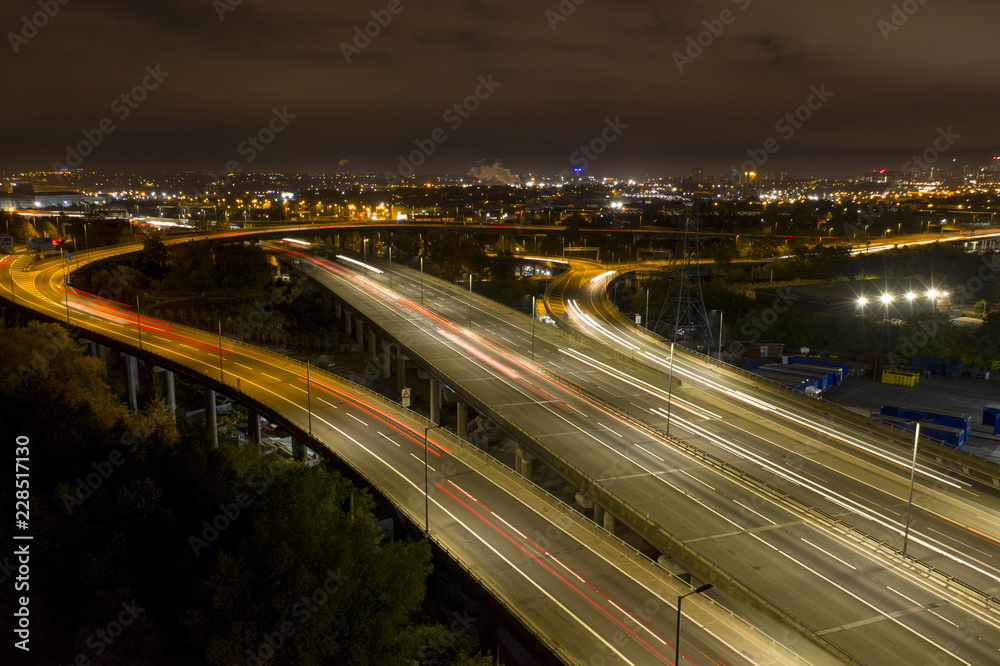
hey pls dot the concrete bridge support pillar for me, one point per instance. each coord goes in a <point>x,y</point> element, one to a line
<point>372,345</point>
<point>132,381</point>
<point>359,328</point>
<point>211,418</point>
<point>338,311</point>
<point>171,393</point>
<point>298,449</point>
<point>609,521</point>
<point>386,360</point>
<point>255,427</point>
<point>102,353</point>
<point>400,372</point>
<point>435,387</point>
<point>462,420</point>
<point>348,321</point>
<point>523,459</point>
<point>599,514</point>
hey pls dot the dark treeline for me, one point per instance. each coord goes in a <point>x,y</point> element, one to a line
<point>150,547</point>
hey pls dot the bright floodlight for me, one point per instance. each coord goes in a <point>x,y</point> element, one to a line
<point>932,294</point>
<point>862,300</point>
<point>887,298</point>
<point>910,295</point>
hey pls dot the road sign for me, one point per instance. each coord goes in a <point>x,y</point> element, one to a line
<point>406,397</point>
<point>67,257</point>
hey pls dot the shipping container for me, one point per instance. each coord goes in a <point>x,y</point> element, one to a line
<point>937,417</point>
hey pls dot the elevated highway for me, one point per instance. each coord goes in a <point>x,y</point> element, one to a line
<point>706,510</point>
<point>585,596</point>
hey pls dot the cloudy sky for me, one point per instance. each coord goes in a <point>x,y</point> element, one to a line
<point>670,84</point>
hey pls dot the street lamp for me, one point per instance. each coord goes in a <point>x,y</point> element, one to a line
<point>670,386</point>
<point>138,321</point>
<point>886,299</point>
<point>222,379</point>
<point>909,298</point>
<point>421,279</point>
<point>913,471</point>
<point>533,328</point>
<point>309,413</point>
<point>647,308</point>
<point>66,284</point>
<point>427,501</point>
<point>677,644</point>
<point>862,301</point>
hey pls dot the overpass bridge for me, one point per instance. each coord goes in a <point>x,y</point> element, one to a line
<point>583,595</point>
<point>607,498</point>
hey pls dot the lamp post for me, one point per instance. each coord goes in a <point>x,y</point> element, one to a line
<point>138,321</point>
<point>421,279</point>
<point>470,300</point>
<point>721,324</point>
<point>222,378</point>
<point>13,296</point>
<point>913,471</point>
<point>533,328</point>
<point>364,242</point>
<point>390,266</point>
<point>862,301</point>
<point>647,308</point>
<point>670,386</point>
<point>309,413</point>
<point>677,644</point>
<point>427,500</point>
<point>66,285</point>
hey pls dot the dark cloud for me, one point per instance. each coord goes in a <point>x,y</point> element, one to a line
<point>561,78</point>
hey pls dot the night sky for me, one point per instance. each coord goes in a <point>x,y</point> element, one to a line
<point>565,76</point>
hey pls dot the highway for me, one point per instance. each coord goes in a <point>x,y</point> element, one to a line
<point>838,466</point>
<point>875,612</point>
<point>591,598</point>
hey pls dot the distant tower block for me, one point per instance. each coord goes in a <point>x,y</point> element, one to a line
<point>683,317</point>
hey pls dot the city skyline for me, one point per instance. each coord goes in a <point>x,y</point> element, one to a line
<point>642,91</point>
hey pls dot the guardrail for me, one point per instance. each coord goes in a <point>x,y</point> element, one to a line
<point>642,525</point>
<point>645,527</point>
<point>317,444</point>
<point>965,464</point>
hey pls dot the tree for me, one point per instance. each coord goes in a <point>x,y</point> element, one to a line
<point>21,229</point>
<point>242,266</point>
<point>154,258</point>
<point>986,343</point>
<point>207,552</point>
<point>929,334</point>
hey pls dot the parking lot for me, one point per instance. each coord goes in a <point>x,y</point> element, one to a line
<point>964,395</point>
